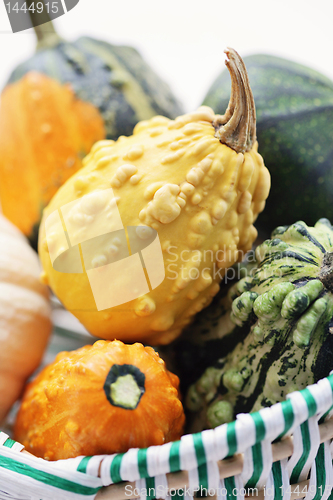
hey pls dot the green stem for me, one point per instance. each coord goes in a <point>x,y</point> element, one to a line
<point>45,32</point>
<point>124,386</point>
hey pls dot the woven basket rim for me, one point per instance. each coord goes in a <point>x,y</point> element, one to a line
<point>286,402</point>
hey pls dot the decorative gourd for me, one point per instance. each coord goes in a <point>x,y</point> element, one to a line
<point>198,181</point>
<point>104,398</point>
<point>287,307</point>
<point>294,107</point>
<point>45,131</point>
<point>24,314</point>
<point>211,336</point>
<point>112,78</point>
<point>111,89</point>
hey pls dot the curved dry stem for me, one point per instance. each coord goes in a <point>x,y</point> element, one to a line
<point>237,127</point>
<point>326,271</point>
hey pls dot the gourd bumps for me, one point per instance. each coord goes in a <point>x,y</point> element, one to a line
<point>181,179</point>
<point>285,304</point>
<point>104,398</point>
<point>51,145</point>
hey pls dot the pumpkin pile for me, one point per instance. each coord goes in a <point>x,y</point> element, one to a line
<point>194,184</point>
<point>138,242</point>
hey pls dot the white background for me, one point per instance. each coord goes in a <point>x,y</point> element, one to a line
<point>183,40</point>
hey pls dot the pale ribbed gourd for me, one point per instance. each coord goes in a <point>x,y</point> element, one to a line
<point>197,181</point>
<point>286,303</point>
<point>25,314</point>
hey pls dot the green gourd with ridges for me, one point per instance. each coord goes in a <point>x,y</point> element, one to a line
<point>294,106</point>
<point>286,304</point>
<point>212,334</point>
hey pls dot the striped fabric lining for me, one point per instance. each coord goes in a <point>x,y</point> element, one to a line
<point>321,478</point>
<point>147,488</point>
<point>6,441</point>
<point>278,484</point>
<point>306,444</point>
<point>24,473</point>
<point>231,488</point>
<point>257,458</point>
<point>306,436</point>
<point>260,460</point>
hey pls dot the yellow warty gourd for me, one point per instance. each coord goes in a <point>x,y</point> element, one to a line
<point>194,185</point>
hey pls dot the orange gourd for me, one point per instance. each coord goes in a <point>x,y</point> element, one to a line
<point>45,131</point>
<point>104,398</point>
<point>25,312</point>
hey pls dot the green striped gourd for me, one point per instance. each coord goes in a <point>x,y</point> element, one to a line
<point>114,79</point>
<point>294,106</point>
<point>286,303</point>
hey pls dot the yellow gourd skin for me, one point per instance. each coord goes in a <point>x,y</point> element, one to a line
<point>202,198</point>
<point>25,314</point>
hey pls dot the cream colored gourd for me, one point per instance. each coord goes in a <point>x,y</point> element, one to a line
<point>198,181</point>
<point>24,314</point>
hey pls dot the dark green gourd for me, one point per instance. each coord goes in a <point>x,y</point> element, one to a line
<point>294,106</point>
<point>113,78</point>
<point>286,304</point>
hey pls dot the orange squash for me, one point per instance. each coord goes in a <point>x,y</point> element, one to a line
<point>25,312</point>
<point>104,398</point>
<point>45,131</point>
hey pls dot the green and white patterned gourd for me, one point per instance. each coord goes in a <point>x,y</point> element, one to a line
<point>212,335</point>
<point>287,304</point>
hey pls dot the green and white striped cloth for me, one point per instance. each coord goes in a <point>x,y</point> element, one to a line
<point>25,477</point>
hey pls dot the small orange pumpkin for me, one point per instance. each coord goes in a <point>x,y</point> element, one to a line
<point>45,131</point>
<point>104,398</point>
<point>25,314</point>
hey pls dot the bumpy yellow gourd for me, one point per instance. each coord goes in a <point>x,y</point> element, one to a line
<point>198,181</point>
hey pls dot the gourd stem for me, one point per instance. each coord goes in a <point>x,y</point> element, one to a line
<point>45,33</point>
<point>237,127</point>
<point>124,386</point>
<point>326,271</point>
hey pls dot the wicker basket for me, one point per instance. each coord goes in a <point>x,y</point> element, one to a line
<point>282,452</point>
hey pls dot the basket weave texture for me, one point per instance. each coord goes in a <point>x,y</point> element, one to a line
<point>23,476</point>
